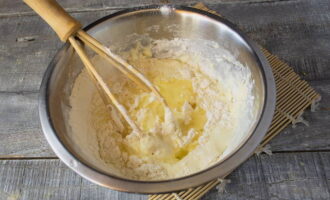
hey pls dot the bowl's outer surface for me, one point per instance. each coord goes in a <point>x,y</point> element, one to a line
<point>191,23</point>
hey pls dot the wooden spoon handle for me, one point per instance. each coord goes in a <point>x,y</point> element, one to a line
<point>60,21</point>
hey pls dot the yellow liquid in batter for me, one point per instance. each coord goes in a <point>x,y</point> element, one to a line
<point>148,112</point>
<point>176,93</point>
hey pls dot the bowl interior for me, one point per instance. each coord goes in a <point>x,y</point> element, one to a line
<point>157,24</point>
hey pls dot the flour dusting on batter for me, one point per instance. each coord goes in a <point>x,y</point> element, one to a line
<point>207,90</point>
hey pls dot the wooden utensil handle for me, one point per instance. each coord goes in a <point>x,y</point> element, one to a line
<point>60,21</point>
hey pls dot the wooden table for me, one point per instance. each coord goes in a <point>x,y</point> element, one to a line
<point>298,31</point>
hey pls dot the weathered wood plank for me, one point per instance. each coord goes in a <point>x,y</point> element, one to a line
<point>325,161</point>
<point>20,131</point>
<point>23,63</point>
<point>17,7</point>
<point>313,137</point>
<point>281,176</point>
<point>285,176</point>
<point>49,179</point>
<point>297,31</point>
<point>21,135</point>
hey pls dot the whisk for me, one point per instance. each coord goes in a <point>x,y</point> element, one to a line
<point>69,29</point>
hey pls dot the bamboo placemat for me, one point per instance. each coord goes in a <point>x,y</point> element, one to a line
<point>293,96</point>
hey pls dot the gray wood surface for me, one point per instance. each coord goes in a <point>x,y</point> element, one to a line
<point>314,137</point>
<point>24,62</point>
<point>280,176</point>
<point>298,31</point>
<point>20,132</point>
<point>17,7</point>
<point>49,179</point>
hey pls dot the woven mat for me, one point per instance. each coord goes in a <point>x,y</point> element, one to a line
<point>293,96</point>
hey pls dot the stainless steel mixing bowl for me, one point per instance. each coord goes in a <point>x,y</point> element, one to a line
<point>189,23</point>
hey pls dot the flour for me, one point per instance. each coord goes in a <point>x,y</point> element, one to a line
<point>209,94</point>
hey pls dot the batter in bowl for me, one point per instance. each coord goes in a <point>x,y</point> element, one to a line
<point>208,92</point>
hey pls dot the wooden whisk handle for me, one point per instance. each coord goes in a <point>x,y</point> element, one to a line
<point>60,21</point>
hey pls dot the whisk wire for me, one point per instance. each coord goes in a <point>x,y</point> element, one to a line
<point>103,51</point>
<point>130,71</point>
<point>93,73</point>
